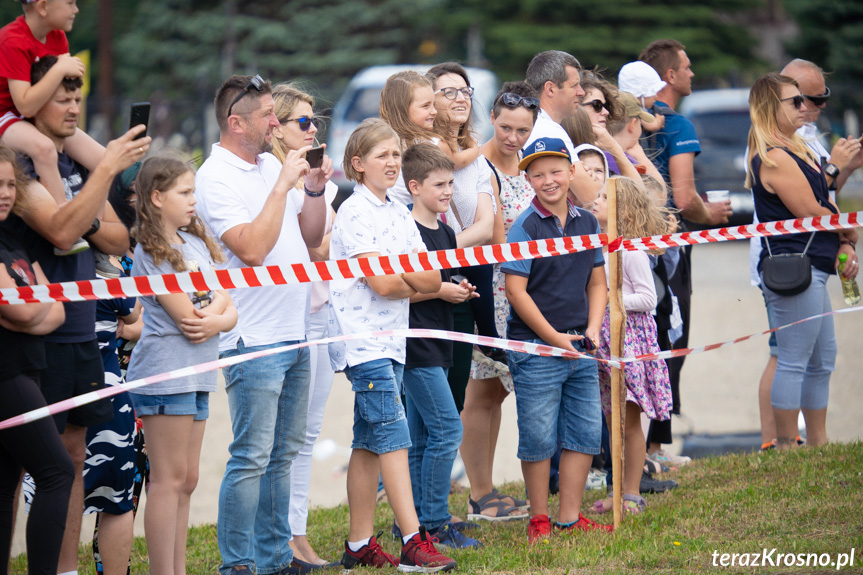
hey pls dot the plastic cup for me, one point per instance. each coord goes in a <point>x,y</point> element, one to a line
<point>714,196</point>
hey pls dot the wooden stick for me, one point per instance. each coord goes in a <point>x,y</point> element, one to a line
<point>617,316</point>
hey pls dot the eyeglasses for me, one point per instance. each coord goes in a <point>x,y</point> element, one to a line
<point>511,100</point>
<point>797,100</point>
<point>597,105</point>
<point>256,83</point>
<point>819,100</point>
<point>452,93</point>
<point>304,122</point>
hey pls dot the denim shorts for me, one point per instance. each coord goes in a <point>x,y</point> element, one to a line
<point>195,403</point>
<point>380,425</point>
<point>557,402</point>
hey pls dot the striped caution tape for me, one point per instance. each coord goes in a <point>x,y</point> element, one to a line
<point>405,263</point>
<point>513,345</point>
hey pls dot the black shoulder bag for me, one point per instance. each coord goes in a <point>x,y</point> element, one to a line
<point>787,274</point>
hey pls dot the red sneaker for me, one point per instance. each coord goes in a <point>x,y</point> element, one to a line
<point>372,555</point>
<point>538,529</point>
<point>420,556</point>
<point>585,524</point>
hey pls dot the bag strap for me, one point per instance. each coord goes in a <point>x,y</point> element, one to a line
<point>455,213</point>
<point>770,253</point>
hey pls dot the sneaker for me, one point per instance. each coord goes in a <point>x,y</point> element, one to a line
<point>666,458</point>
<point>449,536</point>
<point>650,485</point>
<point>79,246</point>
<point>104,267</point>
<point>596,479</point>
<point>371,554</point>
<point>538,529</point>
<point>420,556</point>
<point>584,524</point>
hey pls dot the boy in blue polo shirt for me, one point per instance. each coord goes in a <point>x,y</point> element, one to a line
<point>559,301</point>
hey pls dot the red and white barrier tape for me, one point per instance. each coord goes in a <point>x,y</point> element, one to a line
<point>520,346</point>
<point>67,404</point>
<point>405,263</point>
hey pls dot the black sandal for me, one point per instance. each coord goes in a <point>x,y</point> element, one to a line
<point>477,510</point>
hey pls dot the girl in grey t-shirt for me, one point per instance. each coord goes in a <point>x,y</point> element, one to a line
<point>180,330</point>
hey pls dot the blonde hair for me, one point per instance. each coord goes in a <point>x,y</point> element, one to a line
<point>396,99</point>
<point>370,133</point>
<point>764,134</point>
<point>639,215</point>
<point>158,174</point>
<point>7,156</point>
<point>286,97</point>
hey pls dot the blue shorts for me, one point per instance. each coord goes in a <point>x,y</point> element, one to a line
<point>195,403</point>
<point>771,323</point>
<point>380,425</point>
<point>557,402</point>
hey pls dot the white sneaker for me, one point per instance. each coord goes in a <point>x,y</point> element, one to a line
<point>79,246</point>
<point>596,479</point>
<point>663,457</point>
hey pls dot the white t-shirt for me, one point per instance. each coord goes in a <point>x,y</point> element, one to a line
<point>545,127</point>
<point>231,192</point>
<point>468,183</point>
<point>365,224</point>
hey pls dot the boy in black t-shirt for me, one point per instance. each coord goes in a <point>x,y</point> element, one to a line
<point>433,419</point>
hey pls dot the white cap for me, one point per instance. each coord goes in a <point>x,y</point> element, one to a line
<point>639,79</point>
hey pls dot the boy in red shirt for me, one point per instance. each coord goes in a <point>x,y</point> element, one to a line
<point>40,32</point>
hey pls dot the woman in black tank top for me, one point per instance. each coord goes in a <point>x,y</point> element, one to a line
<point>788,183</point>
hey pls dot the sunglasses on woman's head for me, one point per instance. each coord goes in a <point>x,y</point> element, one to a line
<point>304,122</point>
<point>511,100</point>
<point>452,93</point>
<point>819,100</point>
<point>597,105</point>
<point>797,101</point>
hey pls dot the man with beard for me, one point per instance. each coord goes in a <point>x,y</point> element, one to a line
<point>264,213</point>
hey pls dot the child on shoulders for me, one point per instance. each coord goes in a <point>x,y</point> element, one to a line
<point>560,302</point>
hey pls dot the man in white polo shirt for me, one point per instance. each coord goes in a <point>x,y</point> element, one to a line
<point>556,77</point>
<point>250,202</point>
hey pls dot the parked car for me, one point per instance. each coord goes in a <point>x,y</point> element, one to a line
<point>362,97</point>
<point>721,119</point>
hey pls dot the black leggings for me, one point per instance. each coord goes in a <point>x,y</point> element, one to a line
<point>36,447</point>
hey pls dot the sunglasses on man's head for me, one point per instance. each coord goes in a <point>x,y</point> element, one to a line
<point>511,100</point>
<point>597,105</point>
<point>452,93</point>
<point>819,100</point>
<point>256,83</point>
<point>304,122</point>
<point>797,101</point>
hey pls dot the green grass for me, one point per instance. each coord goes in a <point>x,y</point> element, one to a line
<point>802,501</point>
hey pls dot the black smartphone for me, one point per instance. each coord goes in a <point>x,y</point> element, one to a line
<point>588,344</point>
<point>315,157</point>
<point>457,278</point>
<point>140,115</point>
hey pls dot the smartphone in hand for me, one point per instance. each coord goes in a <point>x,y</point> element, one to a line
<point>315,157</point>
<point>140,115</point>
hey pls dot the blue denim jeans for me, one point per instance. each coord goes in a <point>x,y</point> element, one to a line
<point>807,352</point>
<point>268,401</point>
<point>379,417</point>
<point>436,433</point>
<point>557,402</point>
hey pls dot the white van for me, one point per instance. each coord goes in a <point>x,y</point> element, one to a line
<point>362,98</point>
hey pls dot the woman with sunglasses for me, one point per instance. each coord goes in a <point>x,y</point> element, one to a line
<point>513,115</point>
<point>297,128</point>
<point>787,182</point>
<point>602,103</point>
<point>471,214</point>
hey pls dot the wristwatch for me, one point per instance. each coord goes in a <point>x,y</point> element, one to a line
<point>831,170</point>
<point>93,229</point>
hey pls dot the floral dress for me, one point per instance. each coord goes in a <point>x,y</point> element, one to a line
<point>515,197</point>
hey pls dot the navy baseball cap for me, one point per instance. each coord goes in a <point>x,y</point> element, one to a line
<point>543,147</point>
